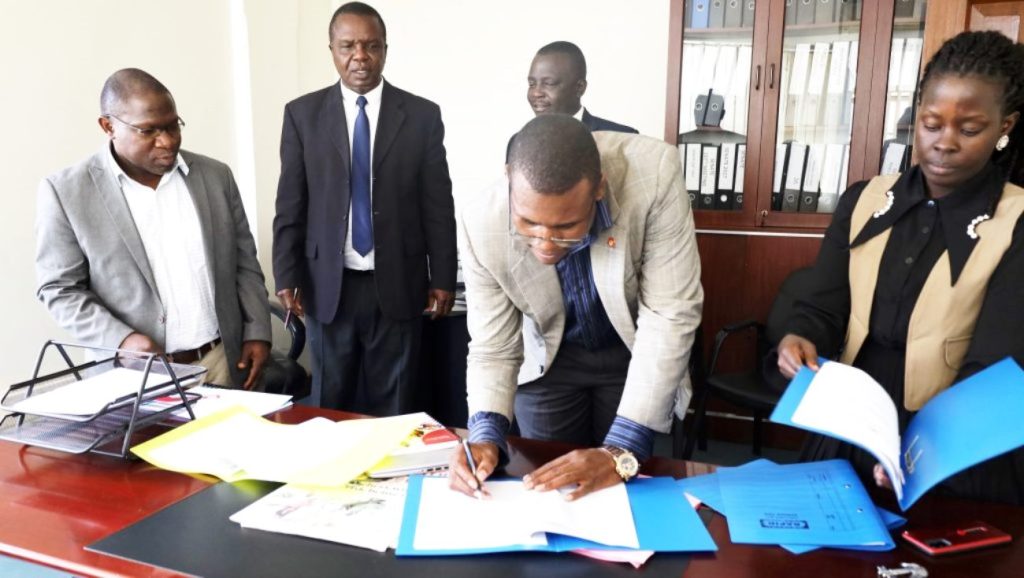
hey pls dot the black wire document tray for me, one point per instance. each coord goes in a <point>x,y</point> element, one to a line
<point>95,404</point>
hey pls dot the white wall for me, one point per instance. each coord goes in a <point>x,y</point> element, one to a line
<point>470,57</point>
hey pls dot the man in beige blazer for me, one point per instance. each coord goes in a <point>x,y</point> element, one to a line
<point>583,288</point>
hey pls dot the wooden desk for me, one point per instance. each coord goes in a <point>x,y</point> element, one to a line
<point>55,504</point>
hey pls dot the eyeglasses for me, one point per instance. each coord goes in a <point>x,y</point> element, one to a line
<point>533,240</point>
<point>173,129</point>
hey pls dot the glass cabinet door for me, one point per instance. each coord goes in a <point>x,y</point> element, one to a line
<point>714,98</point>
<point>901,92</point>
<point>817,79</point>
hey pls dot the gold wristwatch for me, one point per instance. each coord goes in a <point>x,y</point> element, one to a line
<point>626,464</point>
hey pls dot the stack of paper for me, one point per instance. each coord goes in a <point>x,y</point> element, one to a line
<point>364,513</point>
<point>427,448</point>
<point>236,444</point>
<point>214,399</point>
<point>800,507</point>
<point>648,514</point>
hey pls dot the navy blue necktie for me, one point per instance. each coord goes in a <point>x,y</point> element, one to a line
<point>362,219</point>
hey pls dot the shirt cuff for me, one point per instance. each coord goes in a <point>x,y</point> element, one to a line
<point>490,428</point>
<point>629,435</point>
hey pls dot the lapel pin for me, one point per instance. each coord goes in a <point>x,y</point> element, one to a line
<point>611,242</point>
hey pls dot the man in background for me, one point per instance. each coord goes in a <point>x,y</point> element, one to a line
<point>364,236</point>
<point>557,82</point>
<point>146,247</point>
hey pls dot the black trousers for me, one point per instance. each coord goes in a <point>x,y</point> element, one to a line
<point>362,360</point>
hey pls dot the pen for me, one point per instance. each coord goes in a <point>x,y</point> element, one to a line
<point>288,314</point>
<point>472,466</point>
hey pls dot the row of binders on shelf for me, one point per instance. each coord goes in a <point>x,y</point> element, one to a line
<point>819,81</point>
<point>714,175</point>
<point>712,14</point>
<point>809,178</point>
<point>822,11</point>
<point>723,68</point>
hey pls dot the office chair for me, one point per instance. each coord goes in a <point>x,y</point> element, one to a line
<point>751,389</point>
<point>285,374</point>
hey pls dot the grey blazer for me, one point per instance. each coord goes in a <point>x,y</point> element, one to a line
<point>647,273</point>
<point>93,275</point>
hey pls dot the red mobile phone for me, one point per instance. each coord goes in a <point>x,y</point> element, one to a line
<point>958,538</point>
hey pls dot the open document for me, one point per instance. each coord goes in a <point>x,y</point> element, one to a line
<point>236,444</point>
<point>970,422</point>
<point>649,514</point>
<point>364,513</point>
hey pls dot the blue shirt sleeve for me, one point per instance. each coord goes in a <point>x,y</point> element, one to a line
<point>629,435</point>
<point>490,427</point>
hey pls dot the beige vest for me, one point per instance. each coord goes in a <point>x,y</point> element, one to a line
<point>943,320</point>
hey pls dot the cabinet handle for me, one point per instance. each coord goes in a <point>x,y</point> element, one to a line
<point>757,77</point>
<point>771,76</point>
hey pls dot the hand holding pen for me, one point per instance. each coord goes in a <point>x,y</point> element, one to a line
<point>469,466</point>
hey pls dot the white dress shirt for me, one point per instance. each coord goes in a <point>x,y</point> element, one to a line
<point>353,260</point>
<point>167,222</point>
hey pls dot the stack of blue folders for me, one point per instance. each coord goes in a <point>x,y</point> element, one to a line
<point>801,507</point>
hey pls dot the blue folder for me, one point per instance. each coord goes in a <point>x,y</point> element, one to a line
<point>972,421</point>
<point>816,503</point>
<point>665,522</point>
<point>707,489</point>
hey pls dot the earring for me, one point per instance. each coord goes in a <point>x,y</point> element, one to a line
<point>1003,142</point>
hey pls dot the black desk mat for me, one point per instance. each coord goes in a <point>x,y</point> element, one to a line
<point>194,536</point>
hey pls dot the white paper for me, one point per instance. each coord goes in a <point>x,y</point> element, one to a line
<point>89,395</point>
<point>363,513</point>
<point>449,520</point>
<point>214,399</point>
<point>868,418</point>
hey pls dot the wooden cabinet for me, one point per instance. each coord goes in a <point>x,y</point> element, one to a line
<point>833,80</point>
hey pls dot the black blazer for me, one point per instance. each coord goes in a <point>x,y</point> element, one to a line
<point>413,210</point>
<point>595,123</point>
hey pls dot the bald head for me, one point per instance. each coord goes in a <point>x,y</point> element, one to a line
<point>126,84</point>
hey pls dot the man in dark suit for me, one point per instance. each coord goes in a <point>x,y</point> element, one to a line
<point>557,81</point>
<point>364,236</point>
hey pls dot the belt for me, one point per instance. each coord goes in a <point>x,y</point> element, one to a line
<point>193,355</point>
<point>359,272</point>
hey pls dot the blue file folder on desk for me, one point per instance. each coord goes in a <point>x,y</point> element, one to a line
<point>972,421</point>
<point>665,522</point>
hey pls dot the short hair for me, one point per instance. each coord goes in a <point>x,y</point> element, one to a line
<point>360,9</point>
<point>573,52</point>
<point>994,57</point>
<point>126,83</point>
<point>554,152</point>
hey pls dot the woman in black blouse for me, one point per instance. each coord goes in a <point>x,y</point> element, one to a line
<point>929,287</point>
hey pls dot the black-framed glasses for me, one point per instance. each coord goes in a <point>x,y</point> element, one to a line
<point>534,240</point>
<point>173,129</point>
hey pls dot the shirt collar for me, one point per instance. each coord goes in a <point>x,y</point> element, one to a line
<point>977,196</point>
<point>119,173</point>
<point>578,115</point>
<point>372,97</point>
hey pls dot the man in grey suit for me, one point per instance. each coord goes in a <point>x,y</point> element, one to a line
<point>583,294</point>
<point>145,247</point>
